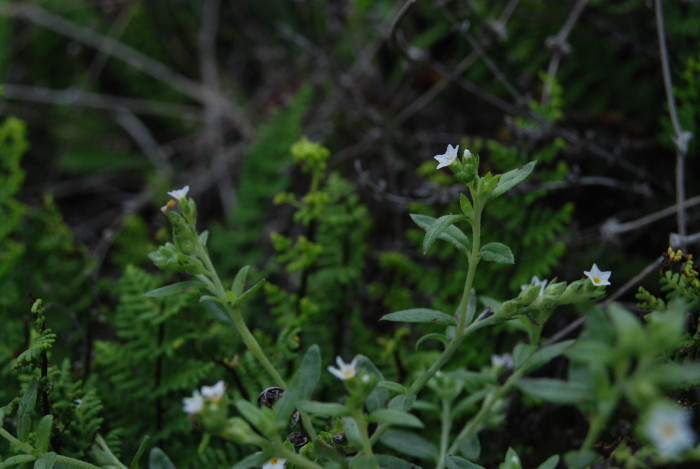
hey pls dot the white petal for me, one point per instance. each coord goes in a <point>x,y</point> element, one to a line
<point>214,392</point>
<point>179,193</point>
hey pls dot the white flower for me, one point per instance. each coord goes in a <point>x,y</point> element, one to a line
<point>669,429</point>
<point>179,194</point>
<point>597,277</point>
<point>275,463</point>
<point>536,282</point>
<point>466,155</point>
<point>345,370</point>
<point>193,405</point>
<point>447,158</point>
<point>215,392</point>
<point>502,361</point>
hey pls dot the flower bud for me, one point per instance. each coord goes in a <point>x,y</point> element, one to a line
<point>239,431</point>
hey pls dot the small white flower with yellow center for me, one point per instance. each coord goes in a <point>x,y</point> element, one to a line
<point>669,430</point>
<point>597,277</point>
<point>275,463</point>
<point>449,157</point>
<point>344,371</point>
<point>193,405</point>
<point>502,361</point>
<point>179,194</point>
<point>214,393</point>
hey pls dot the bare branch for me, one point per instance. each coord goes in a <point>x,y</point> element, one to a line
<point>76,97</point>
<point>681,138</point>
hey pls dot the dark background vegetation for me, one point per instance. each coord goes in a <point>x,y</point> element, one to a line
<point>124,100</point>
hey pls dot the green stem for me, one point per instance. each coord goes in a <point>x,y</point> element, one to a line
<point>22,446</point>
<point>364,435</point>
<point>251,342</point>
<point>488,403</point>
<point>600,420</point>
<point>473,262</point>
<point>445,432</point>
<point>285,452</point>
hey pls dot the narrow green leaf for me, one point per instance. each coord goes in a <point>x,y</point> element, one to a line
<point>497,252</point>
<point>392,462</point>
<point>550,463</point>
<point>43,434</point>
<point>174,289</point>
<point>219,312</point>
<point>452,234</point>
<point>239,281</point>
<point>433,335</point>
<point>470,447</point>
<point>157,459</point>
<point>25,409</point>
<point>555,390</point>
<point>409,444</point>
<point>309,371</point>
<point>352,432</point>
<point>142,447</point>
<point>378,397</point>
<point>437,228</point>
<point>395,417</point>
<point>455,462</point>
<point>422,315</point>
<point>48,461</point>
<point>247,293</point>
<point>325,409</point>
<point>466,206</point>
<point>392,386</point>
<point>511,178</point>
<point>547,354</point>
<point>522,353</point>
<point>255,460</point>
<point>403,402</point>
<point>17,459</point>
<point>580,459</point>
<point>204,237</point>
<point>251,413</point>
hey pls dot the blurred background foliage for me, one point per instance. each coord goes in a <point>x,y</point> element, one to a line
<point>110,103</point>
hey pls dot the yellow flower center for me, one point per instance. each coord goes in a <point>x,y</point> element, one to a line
<point>349,373</point>
<point>274,461</point>
<point>668,430</point>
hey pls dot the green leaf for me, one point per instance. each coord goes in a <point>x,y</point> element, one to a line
<point>219,312</point>
<point>255,460</point>
<point>17,459</point>
<point>325,409</point>
<point>378,397</point>
<point>547,354</point>
<point>204,237</point>
<point>422,315</point>
<point>550,463</point>
<point>157,459</point>
<point>247,293</point>
<point>239,281</point>
<point>452,234</point>
<point>511,178</point>
<point>395,417</point>
<point>43,434</point>
<point>590,351</point>
<point>466,207</point>
<point>403,401</point>
<point>433,335</point>
<point>48,461</point>
<point>410,444</point>
<point>437,228</point>
<point>470,447</point>
<point>255,415</point>
<point>392,462</point>
<point>25,410</point>
<point>455,462</point>
<point>497,252</point>
<point>142,447</point>
<point>392,386</point>
<point>174,289</point>
<point>580,459</point>
<point>522,353</point>
<point>511,461</point>
<point>309,372</point>
<point>555,390</point>
<point>352,432</point>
